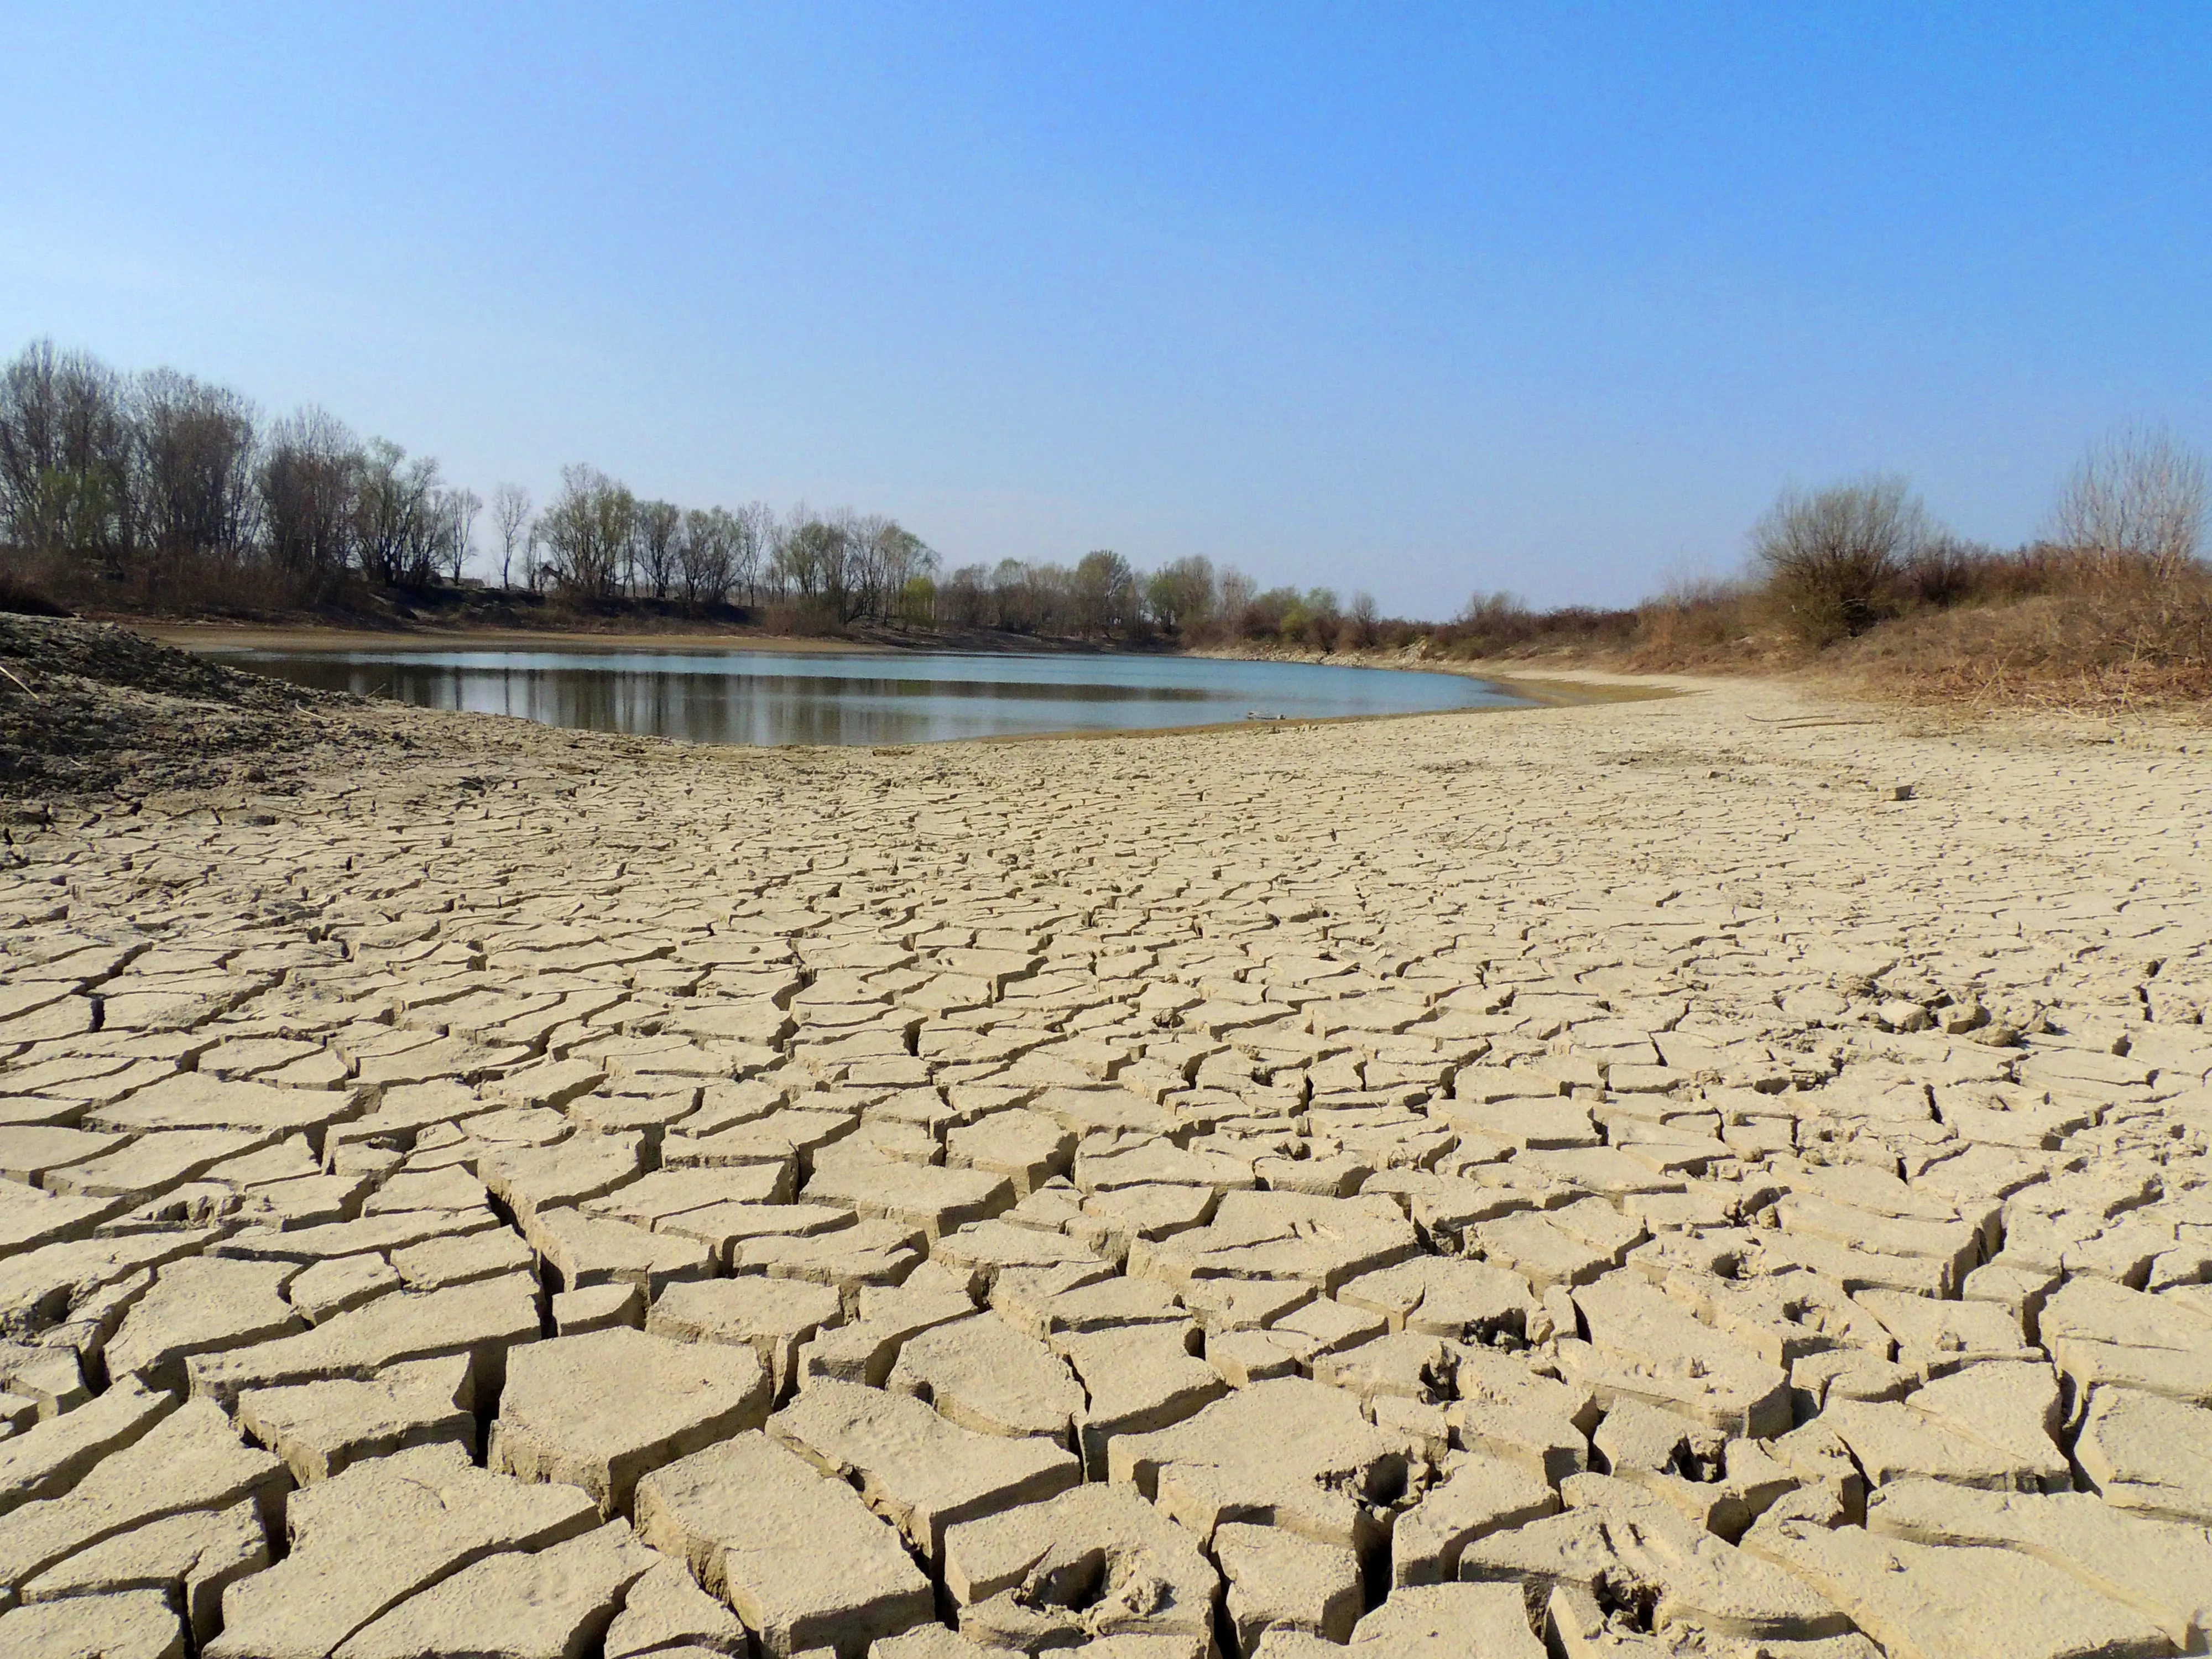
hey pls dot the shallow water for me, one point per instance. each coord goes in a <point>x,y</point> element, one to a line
<point>865,697</point>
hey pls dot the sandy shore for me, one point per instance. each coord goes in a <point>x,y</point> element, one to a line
<point>1288,1160</point>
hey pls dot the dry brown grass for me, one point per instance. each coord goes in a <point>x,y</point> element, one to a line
<point>1712,628</point>
<point>183,587</point>
<point>2115,642</point>
<point>1963,626</point>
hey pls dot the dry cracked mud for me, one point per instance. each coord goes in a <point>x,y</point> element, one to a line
<point>1606,1179</point>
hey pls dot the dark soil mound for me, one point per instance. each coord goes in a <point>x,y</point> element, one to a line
<point>91,705</point>
<point>19,597</point>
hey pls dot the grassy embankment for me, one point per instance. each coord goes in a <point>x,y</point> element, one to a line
<point>2035,629</point>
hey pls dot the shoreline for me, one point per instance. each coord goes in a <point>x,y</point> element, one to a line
<point>1560,690</point>
<point>1565,685</point>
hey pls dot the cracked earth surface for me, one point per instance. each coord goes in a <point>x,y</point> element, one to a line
<point>1614,1179</point>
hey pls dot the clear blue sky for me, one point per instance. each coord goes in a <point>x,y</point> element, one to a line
<point>1419,300</point>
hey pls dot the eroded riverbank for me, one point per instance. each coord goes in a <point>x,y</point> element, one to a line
<point>1457,1172</point>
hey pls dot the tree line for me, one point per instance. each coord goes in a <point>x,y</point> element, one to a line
<point>1102,596</point>
<point>163,486</point>
<point>113,475</point>
<point>162,489</point>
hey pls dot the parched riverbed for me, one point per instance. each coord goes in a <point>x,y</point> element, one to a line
<point>1615,1176</point>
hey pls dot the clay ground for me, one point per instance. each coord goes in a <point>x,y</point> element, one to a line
<point>1614,1177</point>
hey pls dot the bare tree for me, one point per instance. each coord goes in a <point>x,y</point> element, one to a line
<point>1363,620</point>
<point>65,456</point>
<point>1105,593</point>
<point>706,555</point>
<point>1833,556</point>
<point>2136,501</point>
<point>752,533</point>
<point>398,524</point>
<point>1181,596</point>
<point>660,527</point>
<point>1314,620</point>
<point>309,476</point>
<point>511,517</point>
<point>814,561</point>
<point>1237,591</point>
<point>1014,597</point>
<point>195,466</point>
<point>457,511</point>
<point>965,599</point>
<point>891,566</point>
<point>589,532</point>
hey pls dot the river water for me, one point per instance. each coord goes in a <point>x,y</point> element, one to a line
<point>767,697</point>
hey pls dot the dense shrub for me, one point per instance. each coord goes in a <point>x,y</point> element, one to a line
<point>1500,625</point>
<point>1832,557</point>
<point>2094,638</point>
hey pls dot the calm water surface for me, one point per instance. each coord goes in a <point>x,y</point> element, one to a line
<point>864,697</point>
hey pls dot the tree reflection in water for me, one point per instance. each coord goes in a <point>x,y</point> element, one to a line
<point>762,698</point>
